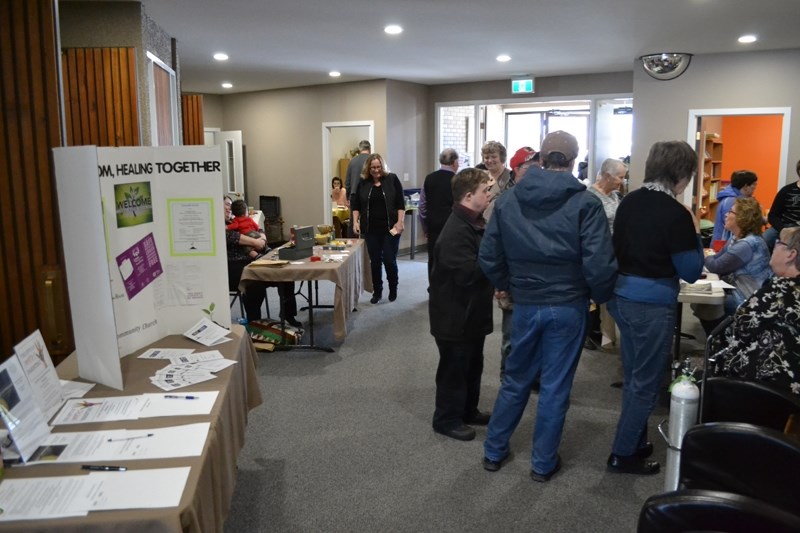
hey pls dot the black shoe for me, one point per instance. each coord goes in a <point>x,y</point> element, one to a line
<point>392,294</point>
<point>590,345</point>
<point>292,321</point>
<point>459,433</point>
<point>542,478</point>
<point>478,419</point>
<point>645,451</point>
<point>493,466</point>
<point>376,297</point>
<point>632,464</point>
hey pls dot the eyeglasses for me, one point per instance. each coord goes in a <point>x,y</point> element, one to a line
<point>731,212</point>
<point>777,242</point>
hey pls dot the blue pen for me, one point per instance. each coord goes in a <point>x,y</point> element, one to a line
<point>174,397</point>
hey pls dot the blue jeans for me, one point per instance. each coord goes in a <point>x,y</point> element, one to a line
<point>505,343</point>
<point>382,248</point>
<point>547,338</point>
<point>646,330</point>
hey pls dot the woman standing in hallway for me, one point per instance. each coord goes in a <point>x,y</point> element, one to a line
<point>378,209</point>
<point>656,241</point>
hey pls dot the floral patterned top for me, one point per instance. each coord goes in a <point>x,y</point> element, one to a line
<point>763,340</point>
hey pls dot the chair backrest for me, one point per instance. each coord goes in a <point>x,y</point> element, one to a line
<point>703,510</point>
<point>751,402</point>
<point>744,459</point>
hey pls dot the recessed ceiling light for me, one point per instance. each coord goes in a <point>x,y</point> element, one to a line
<point>747,39</point>
<point>503,58</point>
<point>393,29</point>
<point>220,56</point>
<point>227,85</point>
<point>334,74</point>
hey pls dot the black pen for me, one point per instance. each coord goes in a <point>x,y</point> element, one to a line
<point>104,468</point>
<point>131,438</point>
<point>176,397</point>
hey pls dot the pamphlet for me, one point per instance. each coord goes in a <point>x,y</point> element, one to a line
<point>24,419</point>
<point>38,367</point>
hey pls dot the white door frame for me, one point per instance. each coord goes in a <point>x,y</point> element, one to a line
<point>327,215</point>
<point>786,112</point>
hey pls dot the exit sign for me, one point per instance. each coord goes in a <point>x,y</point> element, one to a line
<point>521,86</point>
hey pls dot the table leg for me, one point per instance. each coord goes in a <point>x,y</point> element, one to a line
<point>311,306</point>
<point>413,233</point>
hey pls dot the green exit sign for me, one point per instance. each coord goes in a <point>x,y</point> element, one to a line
<point>521,86</point>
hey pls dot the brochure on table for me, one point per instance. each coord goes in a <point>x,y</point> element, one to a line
<point>150,221</point>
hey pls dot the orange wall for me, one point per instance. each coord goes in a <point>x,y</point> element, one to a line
<point>753,143</point>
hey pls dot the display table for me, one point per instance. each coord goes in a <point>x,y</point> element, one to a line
<point>209,488</point>
<point>351,277</point>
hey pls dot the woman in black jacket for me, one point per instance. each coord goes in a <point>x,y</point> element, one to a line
<point>378,209</point>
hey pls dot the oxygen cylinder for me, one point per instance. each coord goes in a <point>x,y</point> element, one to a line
<point>683,407</point>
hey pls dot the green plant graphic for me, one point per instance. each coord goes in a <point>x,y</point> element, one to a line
<point>210,311</point>
<point>132,196</point>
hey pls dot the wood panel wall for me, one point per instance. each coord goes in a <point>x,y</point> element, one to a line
<point>100,96</point>
<point>192,105</point>
<point>33,293</point>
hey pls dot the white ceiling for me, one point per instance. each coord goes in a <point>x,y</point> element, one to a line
<point>290,43</point>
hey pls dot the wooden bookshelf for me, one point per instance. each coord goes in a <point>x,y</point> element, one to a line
<point>710,168</point>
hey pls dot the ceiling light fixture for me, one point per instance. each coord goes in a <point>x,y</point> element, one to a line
<point>221,56</point>
<point>334,74</point>
<point>393,29</point>
<point>747,39</point>
<point>666,66</point>
<point>227,85</point>
<point>503,58</point>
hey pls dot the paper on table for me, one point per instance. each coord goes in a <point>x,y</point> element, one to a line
<point>158,405</point>
<point>719,284</point>
<point>138,489</point>
<point>79,411</point>
<point>123,444</point>
<point>54,497</point>
<point>207,333</point>
<point>19,410</point>
<point>39,369</point>
<point>165,353</point>
<point>196,357</point>
<point>75,389</point>
<point>44,497</point>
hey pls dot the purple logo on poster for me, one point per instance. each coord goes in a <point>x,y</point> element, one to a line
<point>139,265</point>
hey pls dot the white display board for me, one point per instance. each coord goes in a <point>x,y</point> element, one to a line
<point>144,243</point>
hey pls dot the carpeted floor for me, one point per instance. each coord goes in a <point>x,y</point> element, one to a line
<point>343,441</point>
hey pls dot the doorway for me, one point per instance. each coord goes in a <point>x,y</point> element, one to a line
<point>338,139</point>
<point>727,140</point>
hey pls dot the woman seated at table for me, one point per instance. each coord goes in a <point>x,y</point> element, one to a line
<point>237,246</point>
<point>763,341</point>
<point>743,261</point>
<point>338,193</point>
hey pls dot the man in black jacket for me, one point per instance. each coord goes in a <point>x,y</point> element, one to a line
<point>436,200</point>
<point>460,309</point>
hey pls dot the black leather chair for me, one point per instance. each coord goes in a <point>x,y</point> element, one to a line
<point>702,510</point>
<point>743,459</point>
<point>751,402</point>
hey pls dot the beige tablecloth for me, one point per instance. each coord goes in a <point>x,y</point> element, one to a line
<point>351,277</point>
<point>209,488</point>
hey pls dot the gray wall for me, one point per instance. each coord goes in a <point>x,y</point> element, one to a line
<point>558,86</point>
<point>282,135</point>
<point>754,79</point>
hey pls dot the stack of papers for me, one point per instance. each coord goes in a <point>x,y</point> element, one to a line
<point>185,370</point>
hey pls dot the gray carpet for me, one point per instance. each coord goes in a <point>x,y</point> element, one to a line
<point>343,441</point>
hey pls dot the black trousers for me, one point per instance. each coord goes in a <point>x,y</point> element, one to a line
<point>432,237</point>
<point>257,292</point>
<point>458,382</point>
